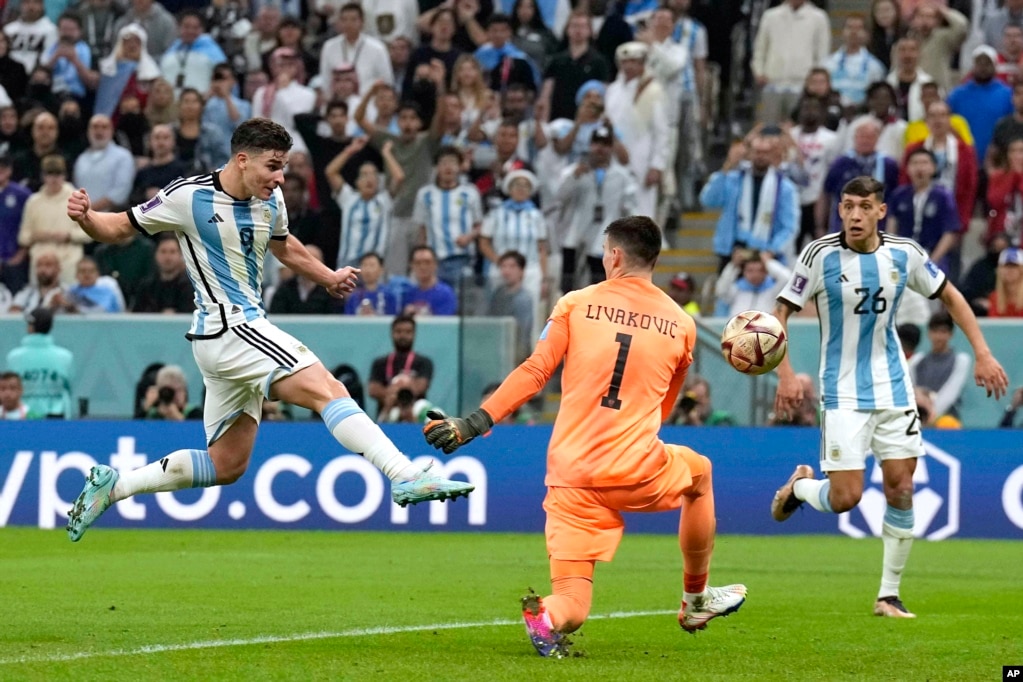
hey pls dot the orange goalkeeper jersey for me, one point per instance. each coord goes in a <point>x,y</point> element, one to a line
<point>627,347</point>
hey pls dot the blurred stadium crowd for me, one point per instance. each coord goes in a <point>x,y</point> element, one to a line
<point>467,154</point>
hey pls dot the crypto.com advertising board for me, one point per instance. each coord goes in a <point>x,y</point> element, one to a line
<point>969,485</point>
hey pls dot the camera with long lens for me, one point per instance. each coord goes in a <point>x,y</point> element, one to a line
<point>405,397</point>
<point>165,396</point>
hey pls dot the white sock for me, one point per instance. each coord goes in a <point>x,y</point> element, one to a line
<point>358,433</point>
<point>814,492</point>
<point>178,470</point>
<point>897,537</point>
<point>691,598</point>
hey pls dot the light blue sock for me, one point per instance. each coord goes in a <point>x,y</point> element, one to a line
<point>899,518</point>
<point>354,430</point>
<point>814,491</point>
<point>204,474</point>
<point>897,538</point>
<point>179,470</point>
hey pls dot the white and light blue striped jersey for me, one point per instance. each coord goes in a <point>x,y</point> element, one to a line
<point>223,241</point>
<point>862,366</point>
<point>447,214</point>
<point>516,230</point>
<point>365,224</point>
<point>692,35</point>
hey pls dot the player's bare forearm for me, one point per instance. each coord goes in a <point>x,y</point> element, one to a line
<point>783,311</point>
<point>106,227</point>
<point>986,372</point>
<point>963,316</point>
<point>297,258</point>
<point>103,227</point>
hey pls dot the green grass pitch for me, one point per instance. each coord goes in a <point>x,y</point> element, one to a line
<point>248,605</point>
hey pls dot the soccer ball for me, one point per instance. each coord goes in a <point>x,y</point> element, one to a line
<point>753,342</point>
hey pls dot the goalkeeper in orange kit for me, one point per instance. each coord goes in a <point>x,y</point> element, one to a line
<point>627,347</point>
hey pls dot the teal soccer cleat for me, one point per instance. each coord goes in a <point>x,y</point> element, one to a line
<point>94,500</point>
<point>425,486</point>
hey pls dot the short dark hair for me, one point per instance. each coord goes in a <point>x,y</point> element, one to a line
<point>192,12</point>
<point>223,68</point>
<point>638,236</point>
<point>909,335</point>
<point>411,106</point>
<point>399,319</point>
<point>447,150</point>
<point>8,375</point>
<point>352,7</point>
<point>372,254</point>
<point>882,85</point>
<point>41,320</point>
<point>259,135</point>
<point>941,320</point>
<point>422,247</point>
<point>931,85</point>
<point>864,186</point>
<point>519,259</point>
<point>922,151</point>
<point>499,18</point>
<point>70,16</point>
<point>337,104</point>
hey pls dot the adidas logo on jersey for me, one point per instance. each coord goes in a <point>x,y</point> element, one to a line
<point>842,279</point>
<point>215,219</point>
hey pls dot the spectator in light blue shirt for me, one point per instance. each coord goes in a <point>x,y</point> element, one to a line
<point>105,170</point>
<point>70,59</point>
<point>224,111</point>
<point>92,293</point>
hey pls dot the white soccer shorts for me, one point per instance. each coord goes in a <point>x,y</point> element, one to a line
<point>848,436</point>
<point>238,367</point>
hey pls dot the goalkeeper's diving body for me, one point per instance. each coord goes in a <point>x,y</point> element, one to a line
<point>627,347</point>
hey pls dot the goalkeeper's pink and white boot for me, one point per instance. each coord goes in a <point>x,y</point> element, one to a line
<point>547,641</point>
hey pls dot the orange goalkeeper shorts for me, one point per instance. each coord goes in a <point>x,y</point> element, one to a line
<point>585,524</point>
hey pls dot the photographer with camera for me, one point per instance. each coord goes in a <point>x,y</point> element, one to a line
<point>171,397</point>
<point>405,407</point>
<point>694,408</point>
<point>403,360</point>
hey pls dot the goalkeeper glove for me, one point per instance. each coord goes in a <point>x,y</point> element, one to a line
<point>450,433</point>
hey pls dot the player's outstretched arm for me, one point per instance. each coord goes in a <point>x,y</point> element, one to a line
<point>295,256</point>
<point>450,433</point>
<point>103,227</point>
<point>987,372</point>
<point>790,391</point>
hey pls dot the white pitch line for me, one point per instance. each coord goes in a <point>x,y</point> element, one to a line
<point>299,637</point>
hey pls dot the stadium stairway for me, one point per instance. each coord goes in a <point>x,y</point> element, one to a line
<point>691,249</point>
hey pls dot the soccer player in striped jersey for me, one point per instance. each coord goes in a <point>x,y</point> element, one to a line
<point>857,278</point>
<point>225,222</point>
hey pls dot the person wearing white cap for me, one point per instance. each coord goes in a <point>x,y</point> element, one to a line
<point>635,103</point>
<point>518,225</point>
<point>1007,298</point>
<point>982,100</point>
